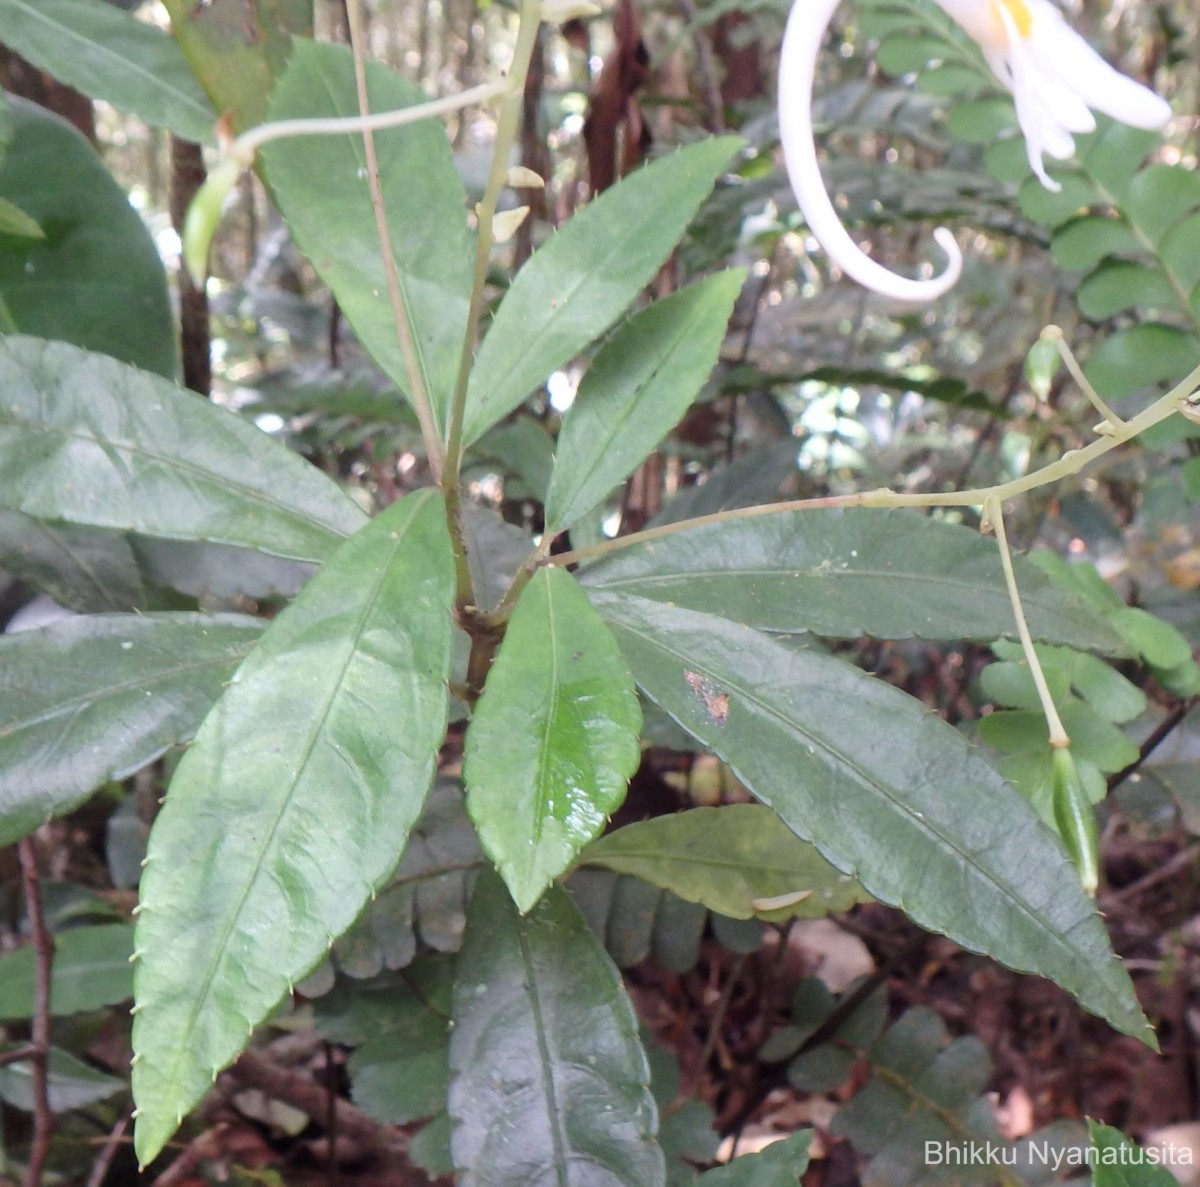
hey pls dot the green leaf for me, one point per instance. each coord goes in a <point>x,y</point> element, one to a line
<point>1118,285</point>
<point>95,278</point>
<point>730,859</point>
<point>554,737</point>
<point>778,1165</point>
<point>237,50</point>
<point>580,280</point>
<point>888,793</point>
<point>921,1106</point>
<point>1158,197</point>
<point>109,54</point>
<point>1084,242</point>
<point>91,441</point>
<point>981,121</point>
<point>429,893</point>
<point>88,570</point>
<point>1136,357</point>
<point>72,1084</point>
<point>520,448</point>
<point>1119,1163</point>
<point>754,478</point>
<point>950,80</point>
<point>638,387</point>
<point>14,221</point>
<point>292,806</point>
<point>320,185</point>
<point>907,55</point>
<point>97,697</point>
<point>496,550</point>
<point>549,1081</point>
<point>1180,251</point>
<point>1157,641</point>
<point>844,573</point>
<point>1108,692</point>
<point>399,1070</point>
<point>1053,208</point>
<point>217,571</point>
<point>91,969</point>
<point>633,919</point>
<point>1113,155</point>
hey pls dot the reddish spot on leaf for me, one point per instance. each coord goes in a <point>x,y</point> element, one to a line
<point>716,703</point>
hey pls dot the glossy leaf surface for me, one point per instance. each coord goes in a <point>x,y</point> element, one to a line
<point>95,279</point>
<point>740,860</point>
<point>846,573</point>
<point>554,737</point>
<point>581,279</point>
<point>888,793</point>
<point>320,183</point>
<point>96,697</point>
<point>90,441</point>
<point>637,389</point>
<point>109,54</point>
<point>292,806</point>
<point>549,1082</point>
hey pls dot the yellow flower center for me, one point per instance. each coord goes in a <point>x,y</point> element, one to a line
<point>989,21</point>
<point>1021,16</point>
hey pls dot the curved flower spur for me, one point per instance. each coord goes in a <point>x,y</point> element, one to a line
<point>1055,78</point>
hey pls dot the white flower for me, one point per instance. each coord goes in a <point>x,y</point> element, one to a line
<point>1056,80</point>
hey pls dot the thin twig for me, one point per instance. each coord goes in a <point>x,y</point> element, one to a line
<point>1162,873</point>
<point>203,1146</point>
<point>331,1116</point>
<point>254,1070</point>
<point>706,67</point>
<point>718,1015</point>
<point>417,391</point>
<point>43,948</point>
<point>507,123</point>
<point>112,1144</point>
<point>1069,464</point>
<point>1159,735</point>
<point>994,517</point>
<point>18,1055</point>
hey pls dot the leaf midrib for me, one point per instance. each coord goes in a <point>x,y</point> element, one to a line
<point>554,1114</point>
<point>689,577</point>
<point>722,679</point>
<point>173,461</point>
<point>84,700</point>
<point>600,448</point>
<point>219,949</point>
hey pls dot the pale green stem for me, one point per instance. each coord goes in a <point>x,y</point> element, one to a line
<point>248,143</point>
<point>1072,364</point>
<point>506,131</point>
<point>993,513</point>
<point>417,392</point>
<point>1066,466</point>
